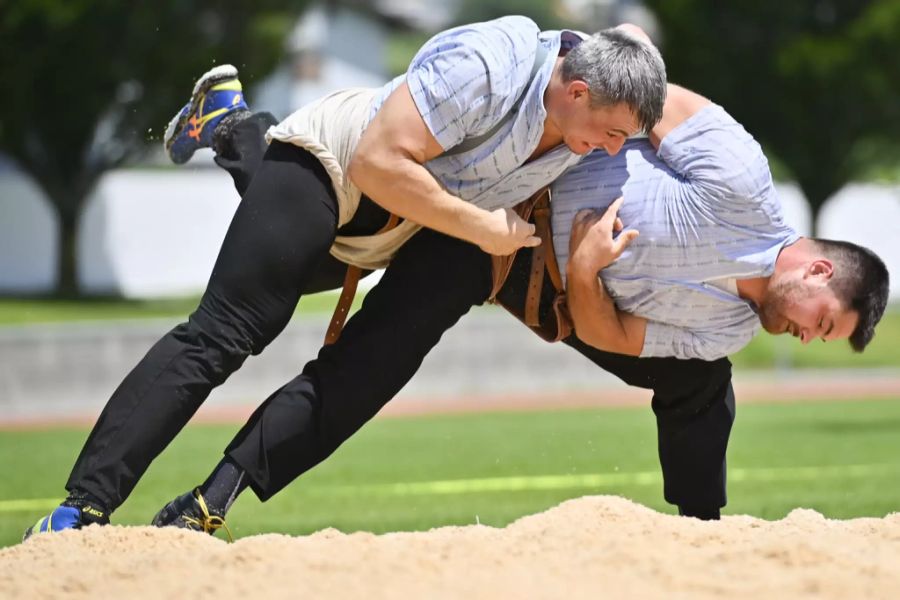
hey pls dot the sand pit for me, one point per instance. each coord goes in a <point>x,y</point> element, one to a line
<point>586,548</point>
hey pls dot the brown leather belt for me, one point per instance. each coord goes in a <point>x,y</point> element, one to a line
<point>351,281</point>
<point>543,259</point>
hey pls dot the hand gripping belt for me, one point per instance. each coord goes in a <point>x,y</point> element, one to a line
<point>543,260</point>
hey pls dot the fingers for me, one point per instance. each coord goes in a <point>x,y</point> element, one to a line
<point>617,225</point>
<point>517,224</point>
<point>613,210</point>
<point>583,215</point>
<point>623,241</point>
<point>586,218</point>
<point>532,242</point>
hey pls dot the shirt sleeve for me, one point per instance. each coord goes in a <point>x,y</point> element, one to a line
<point>717,158</point>
<point>662,339</point>
<point>464,80</point>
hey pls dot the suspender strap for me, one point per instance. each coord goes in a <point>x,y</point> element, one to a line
<point>351,281</point>
<point>540,55</point>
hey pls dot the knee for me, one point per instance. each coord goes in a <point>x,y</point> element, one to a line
<point>218,326</point>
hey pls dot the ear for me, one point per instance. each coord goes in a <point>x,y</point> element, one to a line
<point>576,89</point>
<point>821,268</point>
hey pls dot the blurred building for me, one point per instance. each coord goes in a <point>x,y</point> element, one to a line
<point>331,47</point>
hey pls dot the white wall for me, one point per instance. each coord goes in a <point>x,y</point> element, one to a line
<point>154,233</point>
<point>28,236</point>
<point>148,233</point>
<point>868,215</point>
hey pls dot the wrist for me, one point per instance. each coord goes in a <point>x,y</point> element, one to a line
<point>581,272</point>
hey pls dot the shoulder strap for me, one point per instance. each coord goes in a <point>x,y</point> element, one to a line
<point>471,143</point>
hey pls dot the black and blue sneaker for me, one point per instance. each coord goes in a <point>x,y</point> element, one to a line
<point>74,513</point>
<point>217,94</point>
<point>190,511</point>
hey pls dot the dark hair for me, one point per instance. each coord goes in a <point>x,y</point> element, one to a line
<point>618,67</point>
<point>860,282</point>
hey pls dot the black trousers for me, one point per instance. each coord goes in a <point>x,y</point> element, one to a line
<point>276,249</point>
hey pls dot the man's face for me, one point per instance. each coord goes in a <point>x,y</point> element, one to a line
<point>584,128</point>
<point>802,304</point>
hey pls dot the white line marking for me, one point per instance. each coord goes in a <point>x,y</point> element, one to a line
<point>597,480</point>
<point>29,504</point>
<point>543,482</point>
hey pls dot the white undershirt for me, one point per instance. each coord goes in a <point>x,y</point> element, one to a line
<point>728,284</point>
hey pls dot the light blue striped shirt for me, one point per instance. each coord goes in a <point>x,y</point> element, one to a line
<point>706,209</point>
<point>464,81</point>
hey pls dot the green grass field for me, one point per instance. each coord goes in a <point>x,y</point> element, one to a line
<point>840,458</point>
<point>28,311</point>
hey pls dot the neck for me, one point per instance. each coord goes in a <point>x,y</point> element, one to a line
<point>789,258</point>
<point>552,135</point>
<point>753,290</point>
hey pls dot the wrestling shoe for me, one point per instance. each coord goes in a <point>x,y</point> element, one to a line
<point>74,513</point>
<point>217,93</point>
<point>189,511</point>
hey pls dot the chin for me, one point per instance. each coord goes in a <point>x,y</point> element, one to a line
<point>775,328</point>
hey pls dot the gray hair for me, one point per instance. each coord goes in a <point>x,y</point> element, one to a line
<point>618,67</point>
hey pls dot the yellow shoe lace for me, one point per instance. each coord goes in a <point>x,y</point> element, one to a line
<point>207,523</point>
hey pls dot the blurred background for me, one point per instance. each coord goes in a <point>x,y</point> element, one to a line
<point>104,245</point>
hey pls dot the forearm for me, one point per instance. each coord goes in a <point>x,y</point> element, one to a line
<point>597,321</point>
<point>405,188</point>
<point>388,167</point>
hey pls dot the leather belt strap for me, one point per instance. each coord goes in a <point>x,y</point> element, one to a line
<point>351,281</point>
<point>543,259</point>
<point>535,283</point>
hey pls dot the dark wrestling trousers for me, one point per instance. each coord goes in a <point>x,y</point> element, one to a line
<point>430,284</point>
<point>276,249</point>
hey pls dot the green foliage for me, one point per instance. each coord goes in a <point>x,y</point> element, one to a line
<point>837,458</point>
<point>816,81</point>
<point>545,13</point>
<point>88,84</point>
<point>402,47</point>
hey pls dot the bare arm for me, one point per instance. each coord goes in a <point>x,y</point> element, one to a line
<point>681,104</point>
<point>598,322</point>
<point>387,167</point>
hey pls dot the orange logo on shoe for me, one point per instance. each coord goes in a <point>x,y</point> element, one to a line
<point>194,131</point>
<point>197,124</point>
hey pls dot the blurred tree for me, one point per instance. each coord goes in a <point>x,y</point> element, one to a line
<point>816,81</point>
<point>89,83</point>
<point>546,13</point>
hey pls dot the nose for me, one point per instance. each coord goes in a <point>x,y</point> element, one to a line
<point>613,145</point>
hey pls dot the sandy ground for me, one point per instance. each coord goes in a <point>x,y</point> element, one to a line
<point>599,546</point>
